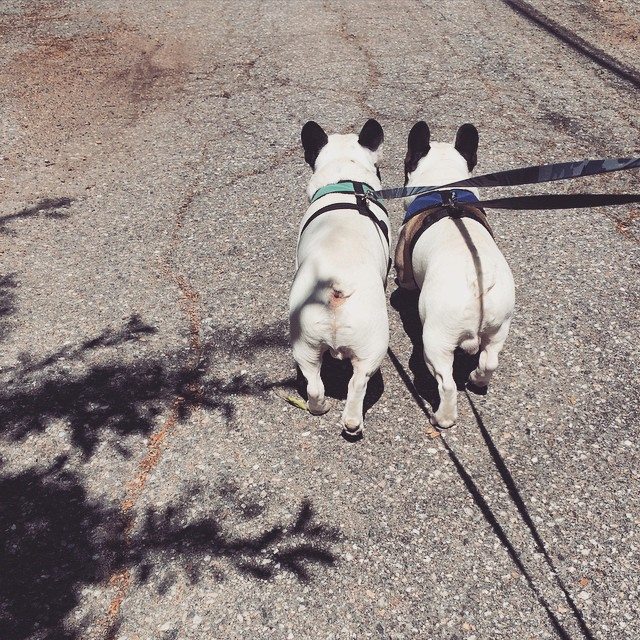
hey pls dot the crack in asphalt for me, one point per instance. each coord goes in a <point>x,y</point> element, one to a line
<point>270,166</point>
<point>363,98</point>
<point>190,304</point>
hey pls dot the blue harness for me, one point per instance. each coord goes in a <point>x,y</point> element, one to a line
<point>435,199</point>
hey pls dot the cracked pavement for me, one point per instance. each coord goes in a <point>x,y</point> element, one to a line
<point>153,482</point>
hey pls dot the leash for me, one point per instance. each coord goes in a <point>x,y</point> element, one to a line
<point>521,203</point>
<point>534,175</point>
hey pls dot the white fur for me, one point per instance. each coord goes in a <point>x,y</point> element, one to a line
<point>337,300</point>
<point>466,287</point>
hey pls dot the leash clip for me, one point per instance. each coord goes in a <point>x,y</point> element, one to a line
<point>362,200</point>
<point>449,199</point>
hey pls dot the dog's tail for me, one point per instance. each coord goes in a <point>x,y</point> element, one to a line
<point>338,292</point>
<point>470,344</point>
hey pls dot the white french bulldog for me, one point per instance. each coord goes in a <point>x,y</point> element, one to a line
<point>466,287</point>
<point>337,300</point>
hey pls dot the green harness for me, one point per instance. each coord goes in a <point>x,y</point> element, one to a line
<point>363,194</point>
<point>345,186</point>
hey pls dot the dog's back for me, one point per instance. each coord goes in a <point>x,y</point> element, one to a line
<point>337,298</point>
<point>466,287</point>
<point>337,301</point>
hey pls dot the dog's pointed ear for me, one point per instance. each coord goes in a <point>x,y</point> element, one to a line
<point>371,135</point>
<point>467,144</point>
<point>313,139</point>
<point>418,145</point>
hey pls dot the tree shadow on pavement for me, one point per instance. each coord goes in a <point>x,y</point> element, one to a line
<point>7,302</point>
<point>58,541</point>
<point>406,304</point>
<point>292,546</point>
<point>49,207</point>
<point>55,540</point>
<point>248,343</point>
<point>121,397</point>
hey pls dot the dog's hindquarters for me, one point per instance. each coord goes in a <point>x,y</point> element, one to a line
<point>466,301</point>
<point>362,324</point>
<point>491,346</point>
<point>345,314</point>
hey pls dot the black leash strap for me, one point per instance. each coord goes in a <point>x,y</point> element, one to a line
<point>360,206</point>
<point>560,201</point>
<point>453,212</point>
<point>525,175</point>
<point>543,201</point>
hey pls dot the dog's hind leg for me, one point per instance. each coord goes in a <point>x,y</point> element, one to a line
<point>439,360</point>
<point>352,417</point>
<point>489,350</point>
<point>310,360</point>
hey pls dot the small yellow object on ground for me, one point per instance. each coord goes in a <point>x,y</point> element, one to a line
<point>293,400</point>
<point>297,402</point>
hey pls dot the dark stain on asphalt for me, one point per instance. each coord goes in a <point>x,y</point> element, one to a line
<point>89,85</point>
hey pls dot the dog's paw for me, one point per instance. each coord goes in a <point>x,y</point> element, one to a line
<point>319,408</point>
<point>352,426</point>
<point>442,422</point>
<point>477,381</point>
<point>477,389</point>
<point>352,437</point>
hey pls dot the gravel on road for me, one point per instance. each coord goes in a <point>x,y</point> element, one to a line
<point>153,481</point>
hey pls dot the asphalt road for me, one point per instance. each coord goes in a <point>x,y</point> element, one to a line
<point>153,482</point>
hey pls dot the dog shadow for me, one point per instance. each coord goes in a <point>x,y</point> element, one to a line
<point>335,376</point>
<point>405,302</point>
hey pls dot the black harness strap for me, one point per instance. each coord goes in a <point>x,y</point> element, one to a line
<point>360,206</point>
<point>561,201</point>
<point>457,212</point>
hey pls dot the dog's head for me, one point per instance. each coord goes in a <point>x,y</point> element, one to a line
<point>435,163</point>
<point>343,157</point>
